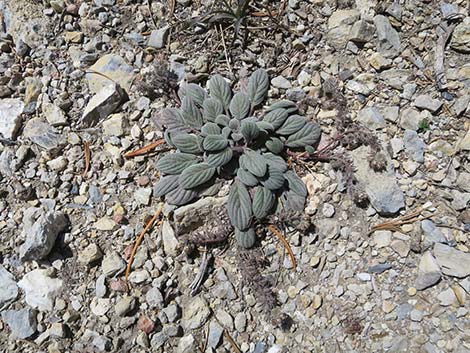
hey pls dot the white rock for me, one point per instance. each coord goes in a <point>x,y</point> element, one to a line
<point>170,242</point>
<point>8,288</point>
<point>453,262</point>
<point>54,115</point>
<point>115,125</point>
<point>102,104</point>
<point>40,289</point>
<point>10,117</point>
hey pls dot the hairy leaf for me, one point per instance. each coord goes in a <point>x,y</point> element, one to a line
<point>165,185</point>
<point>214,143</point>
<point>236,136</point>
<point>188,143</point>
<point>246,177</point>
<point>245,239</point>
<point>226,131</point>
<point>240,106</point>
<point>222,120</point>
<point>264,125</point>
<point>263,202</point>
<point>220,158</point>
<point>254,162</point>
<point>292,201</point>
<point>288,105</point>
<point>210,129</point>
<point>276,117</point>
<point>175,163</point>
<point>196,175</point>
<point>234,124</point>
<point>308,135</point>
<point>275,162</point>
<point>220,90</point>
<point>275,145</point>
<point>196,92</point>
<point>249,130</point>
<point>295,183</point>
<point>258,86</point>
<point>274,179</point>
<point>212,108</point>
<point>239,206</point>
<point>293,124</point>
<point>171,118</point>
<point>191,114</point>
<point>180,196</point>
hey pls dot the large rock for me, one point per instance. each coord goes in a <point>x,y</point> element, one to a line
<point>158,38</point>
<point>195,313</point>
<point>453,262</point>
<point>40,238</point>
<point>40,289</point>
<point>414,146</point>
<point>43,134</point>
<point>461,37</point>
<point>340,24</point>
<point>10,117</point>
<point>22,323</point>
<point>388,38</point>
<point>110,67</point>
<point>103,103</point>
<point>8,288</point>
<point>381,187</point>
<point>429,272</point>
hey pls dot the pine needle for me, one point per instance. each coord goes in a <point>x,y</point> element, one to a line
<point>278,233</point>
<point>139,240</point>
<point>87,158</point>
<point>145,149</point>
<point>232,342</point>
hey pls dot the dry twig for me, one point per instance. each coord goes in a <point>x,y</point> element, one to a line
<point>278,233</point>
<point>145,149</point>
<point>444,33</point>
<point>87,158</point>
<point>139,240</point>
<point>232,342</point>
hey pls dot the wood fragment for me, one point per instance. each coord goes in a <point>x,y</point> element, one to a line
<point>278,233</point>
<point>87,158</point>
<point>232,342</point>
<point>199,279</point>
<point>144,150</point>
<point>444,32</point>
<point>139,240</point>
<point>172,7</point>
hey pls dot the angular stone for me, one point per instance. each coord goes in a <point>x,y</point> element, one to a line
<point>429,272</point>
<point>425,101</point>
<point>453,262</point>
<point>54,115</point>
<point>432,234</point>
<point>461,37</point>
<point>8,288</point>
<point>91,254</point>
<point>10,117</point>
<point>195,313</point>
<point>414,146</point>
<point>43,134</point>
<point>281,82</point>
<point>388,37</point>
<point>105,223</point>
<point>158,38</point>
<point>410,119</point>
<point>40,289</point>
<point>115,125</point>
<point>103,103</point>
<point>113,264</point>
<point>372,118</point>
<point>170,242</point>
<point>40,238</point>
<point>362,32</point>
<point>215,334</point>
<point>447,297</point>
<point>113,67</point>
<point>22,323</point>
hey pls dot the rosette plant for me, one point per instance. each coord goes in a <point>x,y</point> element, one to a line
<point>220,136</point>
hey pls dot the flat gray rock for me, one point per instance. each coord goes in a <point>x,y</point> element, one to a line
<point>388,37</point>
<point>453,262</point>
<point>158,38</point>
<point>43,134</point>
<point>195,313</point>
<point>102,104</point>
<point>22,323</point>
<point>8,288</point>
<point>10,117</point>
<point>414,146</point>
<point>110,67</point>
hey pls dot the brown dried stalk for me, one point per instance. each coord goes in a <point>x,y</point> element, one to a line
<point>145,149</point>
<point>278,233</point>
<point>87,158</point>
<point>232,342</point>
<point>139,240</point>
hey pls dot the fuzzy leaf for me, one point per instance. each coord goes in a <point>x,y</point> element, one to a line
<point>212,108</point>
<point>239,206</point>
<point>249,130</point>
<point>180,196</point>
<point>196,175</point>
<point>234,124</point>
<point>292,201</point>
<point>210,129</point>
<point>295,183</point>
<point>274,145</point>
<point>165,185</point>
<point>309,135</point>
<point>264,125</point>
<point>175,163</point>
<point>246,177</point>
<point>254,162</point>
<point>222,120</point>
<point>240,106</point>
<point>196,92</point>
<point>275,162</point>
<point>171,118</point>
<point>220,158</point>
<point>276,117</point>
<point>236,136</point>
<point>288,105</point>
<point>258,87</point>
<point>188,143</point>
<point>220,90</point>
<point>263,202</point>
<point>245,239</point>
<point>191,114</point>
<point>226,131</point>
<point>293,124</point>
<point>214,143</point>
<point>274,179</point>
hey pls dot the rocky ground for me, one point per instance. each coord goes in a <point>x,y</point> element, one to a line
<point>95,73</point>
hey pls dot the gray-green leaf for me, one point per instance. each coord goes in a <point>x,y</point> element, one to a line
<point>210,129</point>
<point>240,106</point>
<point>220,158</point>
<point>191,114</point>
<point>220,89</point>
<point>239,206</point>
<point>308,135</point>
<point>249,130</point>
<point>275,162</point>
<point>288,105</point>
<point>295,183</point>
<point>254,162</point>
<point>175,163</point>
<point>196,175</point>
<point>188,143</point>
<point>258,87</point>
<point>245,239</point>
<point>274,179</point>
<point>222,120</point>
<point>263,202</point>
<point>212,108</point>
<point>264,125</point>
<point>196,92</point>
<point>171,118</point>
<point>165,185</point>
<point>214,143</point>
<point>180,196</point>
<point>275,145</point>
<point>246,177</point>
<point>293,124</point>
<point>276,117</point>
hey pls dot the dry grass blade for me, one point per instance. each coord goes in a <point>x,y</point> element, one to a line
<point>172,7</point>
<point>139,240</point>
<point>232,342</point>
<point>278,233</point>
<point>87,158</point>
<point>145,149</point>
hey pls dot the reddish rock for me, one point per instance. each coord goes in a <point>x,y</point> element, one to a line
<point>145,324</point>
